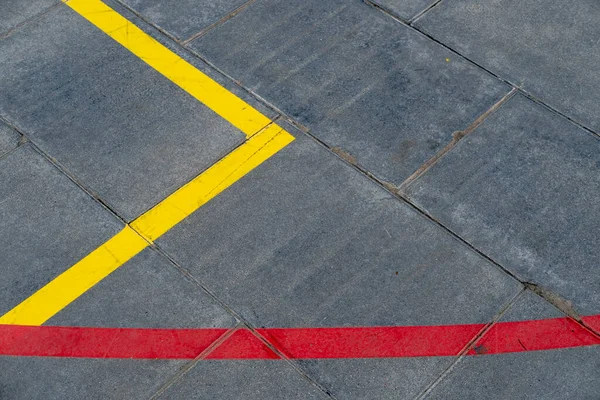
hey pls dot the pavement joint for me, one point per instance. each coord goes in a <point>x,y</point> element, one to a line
<point>226,18</point>
<point>25,139</point>
<point>395,191</point>
<point>456,137</point>
<point>429,388</point>
<point>284,356</point>
<point>264,139</point>
<point>506,81</point>
<point>185,369</point>
<point>423,12</point>
<point>29,20</point>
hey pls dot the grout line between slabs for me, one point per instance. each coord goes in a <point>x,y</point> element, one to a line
<point>187,367</point>
<point>28,21</point>
<point>386,186</point>
<point>62,170</point>
<point>456,137</point>
<point>506,81</point>
<point>463,353</point>
<point>224,19</point>
<point>237,316</point>
<point>423,12</point>
<point>285,358</point>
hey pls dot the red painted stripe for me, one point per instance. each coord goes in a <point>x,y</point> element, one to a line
<point>56,341</point>
<point>306,343</point>
<point>518,336</point>
<point>397,341</point>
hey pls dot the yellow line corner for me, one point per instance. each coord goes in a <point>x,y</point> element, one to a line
<point>157,221</point>
<point>230,107</point>
<point>264,139</point>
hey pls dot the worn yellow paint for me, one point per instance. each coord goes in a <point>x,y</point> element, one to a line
<point>264,139</point>
<point>75,281</point>
<point>235,110</point>
<point>213,181</point>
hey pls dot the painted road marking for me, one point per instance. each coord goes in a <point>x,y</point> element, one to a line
<point>196,193</point>
<point>297,343</point>
<point>75,281</point>
<point>264,139</point>
<point>233,109</point>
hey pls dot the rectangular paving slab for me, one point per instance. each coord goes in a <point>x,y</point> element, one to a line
<point>184,19</point>
<point>118,125</point>
<point>305,240</point>
<point>549,374</point>
<point>359,80</point>
<point>48,224</point>
<point>549,48</point>
<point>523,188</point>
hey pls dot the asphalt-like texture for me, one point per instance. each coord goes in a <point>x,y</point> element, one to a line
<point>445,170</point>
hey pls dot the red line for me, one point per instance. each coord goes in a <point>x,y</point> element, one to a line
<point>400,341</point>
<point>56,341</point>
<point>306,343</point>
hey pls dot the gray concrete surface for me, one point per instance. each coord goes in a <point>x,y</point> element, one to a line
<point>550,48</point>
<point>184,19</point>
<point>9,139</point>
<point>250,379</point>
<point>357,79</point>
<point>15,12</point>
<point>549,374</point>
<point>38,378</point>
<point>48,224</point>
<point>118,125</point>
<point>523,188</point>
<point>306,239</point>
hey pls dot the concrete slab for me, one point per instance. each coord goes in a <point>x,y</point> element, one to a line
<point>48,224</point>
<point>15,12</point>
<point>359,80</point>
<point>307,241</point>
<point>9,138</point>
<point>183,19</point>
<point>523,188</point>
<point>146,292</point>
<point>550,49</point>
<point>75,378</point>
<point>114,122</point>
<point>250,379</point>
<point>404,9</point>
<point>549,374</point>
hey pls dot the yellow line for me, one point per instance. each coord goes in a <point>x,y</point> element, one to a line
<point>75,281</point>
<point>239,113</point>
<point>82,276</point>
<point>213,181</point>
